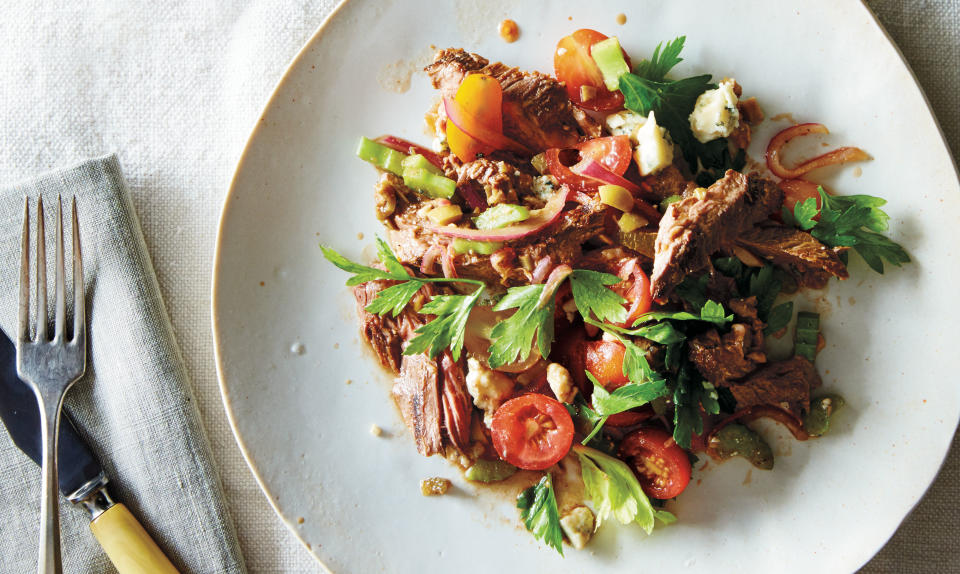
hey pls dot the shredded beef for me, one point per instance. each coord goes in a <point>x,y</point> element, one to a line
<point>809,261</point>
<point>695,227</point>
<point>417,393</point>
<point>785,384</point>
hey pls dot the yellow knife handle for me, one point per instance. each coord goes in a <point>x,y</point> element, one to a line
<point>128,545</point>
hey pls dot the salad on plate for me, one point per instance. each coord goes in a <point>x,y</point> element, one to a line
<point>582,275</point>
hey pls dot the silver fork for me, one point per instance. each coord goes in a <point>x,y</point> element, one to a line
<point>50,366</point>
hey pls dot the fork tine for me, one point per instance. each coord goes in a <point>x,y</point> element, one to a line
<point>24,325</point>
<point>41,275</point>
<point>60,306</point>
<point>79,298</point>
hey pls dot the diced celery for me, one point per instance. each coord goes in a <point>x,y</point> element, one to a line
<point>818,419</point>
<point>640,240</point>
<point>502,215</point>
<point>381,155</point>
<point>539,163</point>
<point>631,221</point>
<point>807,321</point>
<point>490,471</point>
<point>609,58</point>
<point>479,247</point>
<point>418,161</point>
<point>616,196</point>
<point>807,351</point>
<point>667,201</point>
<point>428,183</point>
<point>445,214</point>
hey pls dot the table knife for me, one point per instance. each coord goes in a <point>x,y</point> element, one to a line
<point>82,480</point>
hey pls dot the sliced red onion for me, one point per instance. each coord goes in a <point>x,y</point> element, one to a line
<point>539,219</point>
<point>541,269</point>
<point>446,262</point>
<point>474,198</point>
<point>429,262</point>
<point>463,118</point>
<point>595,170</point>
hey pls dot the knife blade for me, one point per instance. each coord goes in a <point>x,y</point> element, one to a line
<point>82,480</point>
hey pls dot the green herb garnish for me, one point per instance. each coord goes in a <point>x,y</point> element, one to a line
<point>447,330</point>
<point>648,89</point>
<point>613,489</point>
<point>711,312</point>
<point>538,510</point>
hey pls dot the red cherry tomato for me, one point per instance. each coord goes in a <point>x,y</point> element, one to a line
<point>635,288</point>
<point>630,418</point>
<point>532,431</point>
<point>568,350</point>
<point>574,66</point>
<point>604,360</point>
<point>662,467</point>
<point>612,152</point>
<point>797,191</point>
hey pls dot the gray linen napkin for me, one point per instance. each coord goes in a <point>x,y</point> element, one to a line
<point>135,404</point>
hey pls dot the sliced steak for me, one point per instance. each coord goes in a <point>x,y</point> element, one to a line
<point>457,403</point>
<point>811,262</point>
<point>728,357</point>
<point>386,335</point>
<point>786,384</point>
<point>694,228</point>
<point>667,182</point>
<point>417,393</point>
<point>536,110</point>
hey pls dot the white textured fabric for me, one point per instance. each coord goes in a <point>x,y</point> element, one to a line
<point>134,404</point>
<point>174,88</point>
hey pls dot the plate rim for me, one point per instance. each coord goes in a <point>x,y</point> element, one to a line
<point>218,356</point>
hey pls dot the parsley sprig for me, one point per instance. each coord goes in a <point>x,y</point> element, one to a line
<point>648,89</point>
<point>446,330</point>
<point>538,510</point>
<point>614,489</point>
<point>850,221</point>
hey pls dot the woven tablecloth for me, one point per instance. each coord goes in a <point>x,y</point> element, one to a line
<point>175,87</point>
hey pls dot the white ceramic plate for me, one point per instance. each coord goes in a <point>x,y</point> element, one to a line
<point>288,346</point>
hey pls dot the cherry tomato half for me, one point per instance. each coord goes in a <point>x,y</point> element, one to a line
<point>612,152</point>
<point>635,288</point>
<point>574,66</point>
<point>532,431</point>
<point>797,191</point>
<point>662,467</point>
<point>604,360</point>
<point>631,417</point>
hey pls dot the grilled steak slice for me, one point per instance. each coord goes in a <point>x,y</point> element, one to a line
<point>785,384</point>
<point>416,391</point>
<point>457,404</point>
<point>695,227</point>
<point>725,358</point>
<point>536,110</point>
<point>669,181</point>
<point>811,262</point>
<point>386,335</point>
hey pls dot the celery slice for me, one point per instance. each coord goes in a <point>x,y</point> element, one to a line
<point>381,155</point>
<point>502,215</point>
<point>428,183</point>
<point>480,247</point>
<point>609,58</point>
<point>416,161</point>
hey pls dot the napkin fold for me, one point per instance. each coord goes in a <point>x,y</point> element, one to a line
<point>135,404</point>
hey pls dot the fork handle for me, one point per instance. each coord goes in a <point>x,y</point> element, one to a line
<point>50,561</point>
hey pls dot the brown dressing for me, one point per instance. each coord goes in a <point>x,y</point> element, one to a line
<point>621,19</point>
<point>509,31</point>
